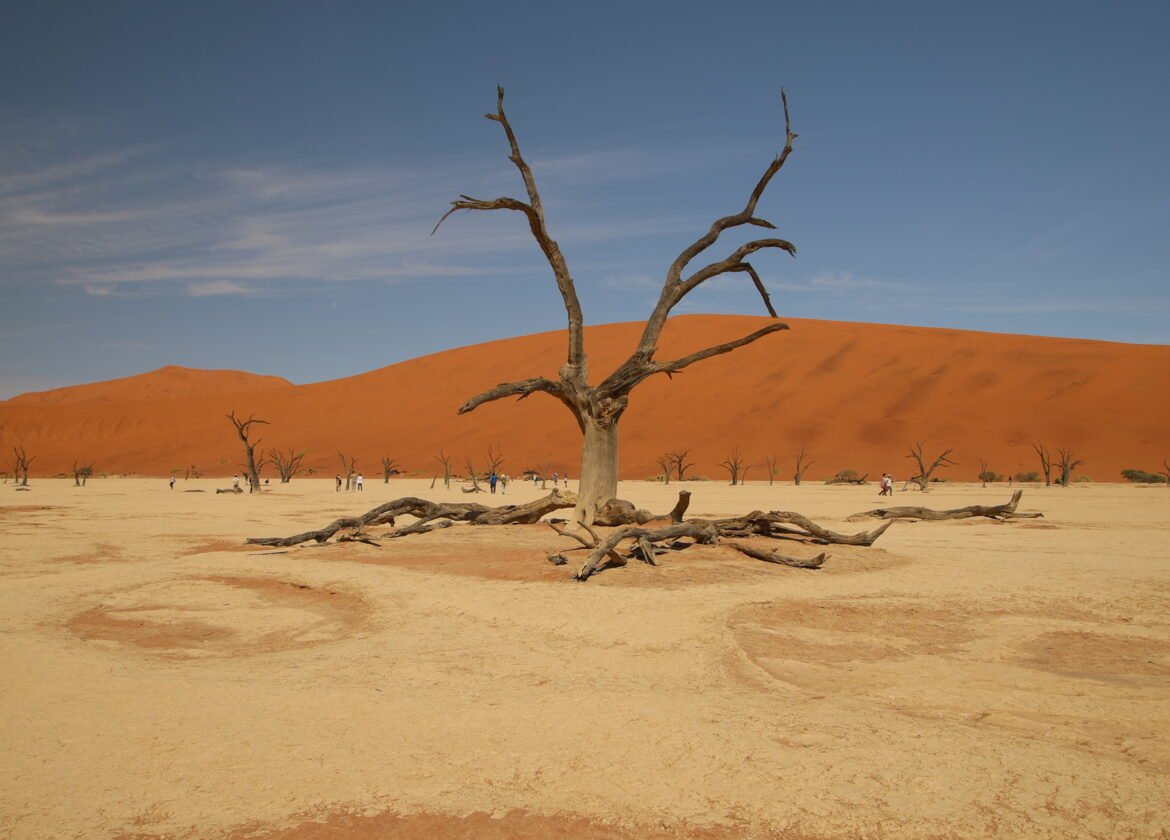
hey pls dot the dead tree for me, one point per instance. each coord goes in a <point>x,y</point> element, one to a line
<point>244,430</point>
<point>922,479</point>
<point>1166,470</point>
<point>81,472</point>
<point>1004,511</point>
<point>664,464</point>
<point>734,467</point>
<point>1066,464</point>
<point>802,464</point>
<point>389,468</point>
<point>1045,462</point>
<point>445,461</point>
<point>771,462</point>
<point>985,473</point>
<point>474,488</point>
<point>288,464</point>
<point>598,408</point>
<point>495,460</point>
<point>21,461</point>
<point>349,468</point>
<point>678,462</point>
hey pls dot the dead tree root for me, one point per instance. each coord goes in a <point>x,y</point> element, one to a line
<point>649,543</point>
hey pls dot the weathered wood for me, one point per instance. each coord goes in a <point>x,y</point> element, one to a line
<point>605,554</point>
<point>770,556</point>
<point>426,511</point>
<point>764,524</point>
<point>1004,511</point>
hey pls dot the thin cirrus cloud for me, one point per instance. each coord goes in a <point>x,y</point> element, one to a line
<point>116,222</point>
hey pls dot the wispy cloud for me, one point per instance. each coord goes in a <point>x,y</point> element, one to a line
<point>116,221</point>
<point>840,284</point>
<point>216,288</point>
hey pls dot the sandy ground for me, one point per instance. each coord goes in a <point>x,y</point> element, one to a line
<point>960,679</point>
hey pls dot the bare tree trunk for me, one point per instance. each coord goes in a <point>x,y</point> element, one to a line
<point>599,470</point>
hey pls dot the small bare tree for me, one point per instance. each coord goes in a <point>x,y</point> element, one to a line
<point>770,462</point>
<point>389,468</point>
<point>1166,470</point>
<point>664,463</point>
<point>678,460</point>
<point>922,479</point>
<point>445,461</point>
<point>80,473</point>
<point>803,462</point>
<point>734,466</point>
<point>349,469</point>
<point>495,459</point>
<point>1045,462</point>
<point>985,473</point>
<point>1066,464</point>
<point>472,475</point>
<point>598,408</point>
<point>244,430</point>
<point>21,461</point>
<point>288,464</point>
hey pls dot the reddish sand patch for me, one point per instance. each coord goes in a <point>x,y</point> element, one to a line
<point>222,616</point>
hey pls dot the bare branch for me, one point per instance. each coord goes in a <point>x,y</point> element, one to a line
<point>513,389</point>
<point>536,223</point>
<point>671,288</point>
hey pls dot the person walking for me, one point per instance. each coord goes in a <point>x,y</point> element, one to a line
<point>337,489</point>
<point>360,483</point>
<point>493,480</point>
<point>172,482</point>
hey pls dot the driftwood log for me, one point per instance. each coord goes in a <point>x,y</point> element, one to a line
<point>1001,512</point>
<point>840,479</point>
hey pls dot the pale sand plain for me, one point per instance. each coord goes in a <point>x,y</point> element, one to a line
<point>958,679</point>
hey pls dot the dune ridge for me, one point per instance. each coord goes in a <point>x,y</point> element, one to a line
<point>856,395</point>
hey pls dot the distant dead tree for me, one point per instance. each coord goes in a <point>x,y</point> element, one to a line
<point>679,462</point>
<point>389,468</point>
<point>922,479</point>
<point>21,461</point>
<point>664,463</point>
<point>191,472</point>
<point>349,467</point>
<point>598,408</point>
<point>985,473</point>
<point>802,464</point>
<point>1045,462</point>
<point>495,459</point>
<point>770,463</point>
<point>445,461</point>
<point>80,473</point>
<point>1066,463</point>
<point>1166,470</point>
<point>244,430</point>
<point>734,466</point>
<point>288,464</point>
<point>472,475</point>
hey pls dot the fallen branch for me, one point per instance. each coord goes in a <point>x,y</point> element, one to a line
<point>427,511</point>
<point>999,512</point>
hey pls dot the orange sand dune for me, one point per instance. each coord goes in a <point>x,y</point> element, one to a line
<point>855,394</point>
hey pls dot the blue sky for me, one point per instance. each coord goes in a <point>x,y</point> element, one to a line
<point>253,185</point>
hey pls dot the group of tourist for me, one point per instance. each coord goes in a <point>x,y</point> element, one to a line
<point>356,482</point>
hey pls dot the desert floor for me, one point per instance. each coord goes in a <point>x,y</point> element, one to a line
<point>158,678</point>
